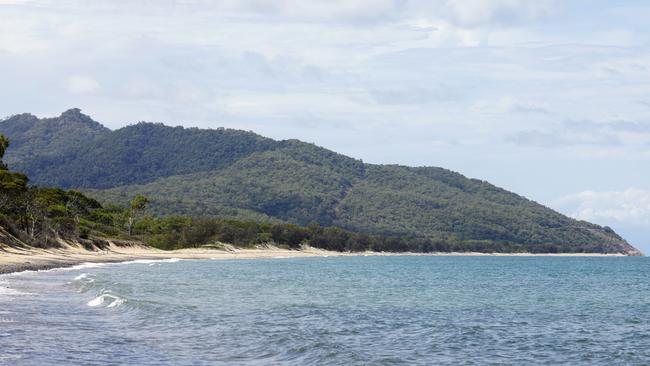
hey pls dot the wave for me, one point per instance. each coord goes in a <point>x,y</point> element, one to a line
<point>76,267</point>
<point>152,261</point>
<point>115,301</point>
<point>6,320</point>
<point>8,291</point>
<point>83,282</point>
<point>88,265</point>
<point>80,266</point>
<point>81,277</point>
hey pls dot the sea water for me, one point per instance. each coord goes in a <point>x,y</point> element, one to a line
<point>331,311</point>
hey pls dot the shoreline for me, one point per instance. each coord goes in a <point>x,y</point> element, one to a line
<point>14,260</point>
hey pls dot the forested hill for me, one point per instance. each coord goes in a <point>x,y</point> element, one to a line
<point>73,151</point>
<point>242,175</point>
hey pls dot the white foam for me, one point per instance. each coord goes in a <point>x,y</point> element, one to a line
<point>84,279</point>
<point>117,302</point>
<point>81,277</point>
<point>71,268</point>
<point>89,265</point>
<point>152,261</point>
<point>96,301</point>
<point>99,300</point>
<point>81,266</point>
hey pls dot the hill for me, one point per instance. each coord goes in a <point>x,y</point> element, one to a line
<point>237,174</point>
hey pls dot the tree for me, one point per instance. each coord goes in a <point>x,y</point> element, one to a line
<point>35,211</point>
<point>11,184</point>
<point>78,205</point>
<point>4,144</point>
<point>138,205</point>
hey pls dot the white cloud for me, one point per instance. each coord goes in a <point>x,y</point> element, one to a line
<point>15,2</point>
<point>481,12</point>
<point>20,35</point>
<point>595,138</point>
<point>631,206</point>
<point>82,84</point>
<point>461,12</point>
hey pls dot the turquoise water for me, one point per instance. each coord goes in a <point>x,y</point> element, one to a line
<point>331,311</point>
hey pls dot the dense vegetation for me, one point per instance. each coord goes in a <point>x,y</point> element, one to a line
<point>241,176</point>
<point>41,217</point>
<point>49,217</point>
<point>94,156</point>
<point>176,232</point>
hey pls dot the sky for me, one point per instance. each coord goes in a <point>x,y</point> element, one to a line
<point>549,99</point>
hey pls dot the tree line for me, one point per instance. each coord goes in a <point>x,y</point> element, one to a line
<point>44,217</point>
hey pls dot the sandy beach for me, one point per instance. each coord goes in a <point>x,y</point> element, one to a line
<point>17,260</point>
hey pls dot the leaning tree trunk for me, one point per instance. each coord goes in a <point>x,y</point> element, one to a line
<point>130,225</point>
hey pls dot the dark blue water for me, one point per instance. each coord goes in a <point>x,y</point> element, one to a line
<point>332,311</point>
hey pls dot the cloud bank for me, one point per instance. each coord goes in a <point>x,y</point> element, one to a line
<point>630,206</point>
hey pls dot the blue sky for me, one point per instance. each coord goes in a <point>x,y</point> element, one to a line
<point>550,99</point>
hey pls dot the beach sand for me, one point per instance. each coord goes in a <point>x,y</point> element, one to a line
<point>17,260</point>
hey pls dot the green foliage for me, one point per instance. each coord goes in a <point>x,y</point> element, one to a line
<point>95,157</point>
<point>33,138</point>
<point>4,144</point>
<point>383,200</point>
<point>139,203</point>
<point>12,182</point>
<point>176,232</point>
<point>247,178</point>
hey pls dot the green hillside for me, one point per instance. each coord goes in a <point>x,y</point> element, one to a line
<point>74,151</point>
<point>241,175</point>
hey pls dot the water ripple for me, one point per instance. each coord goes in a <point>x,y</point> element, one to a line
<point>334,311</point>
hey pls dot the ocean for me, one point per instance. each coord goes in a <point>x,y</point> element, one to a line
<point>418,310</point>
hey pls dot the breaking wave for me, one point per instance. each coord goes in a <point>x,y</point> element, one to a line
<point>110,299</point>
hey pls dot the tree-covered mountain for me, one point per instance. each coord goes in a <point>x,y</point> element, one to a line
<point>96,157</point>
<point>242,175</point>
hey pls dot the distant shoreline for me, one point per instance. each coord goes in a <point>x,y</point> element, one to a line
<point>18,260</point>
